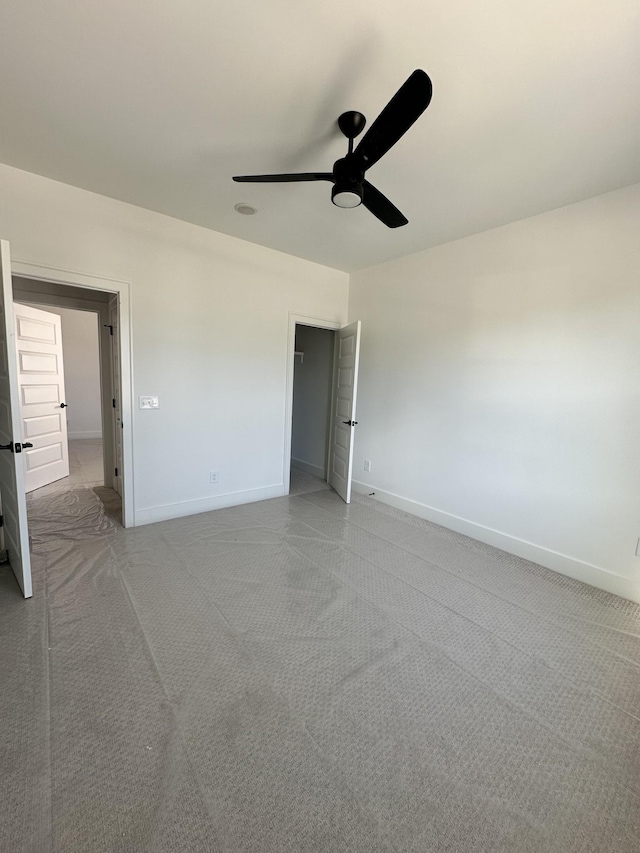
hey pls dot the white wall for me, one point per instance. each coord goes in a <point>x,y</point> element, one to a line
<point>313,377</point>
<point>209,333</point>
<point>81,356</point>
<point>500,387</point>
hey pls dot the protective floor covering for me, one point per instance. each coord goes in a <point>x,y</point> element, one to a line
<point>300,483</point>
<point>298,675</point>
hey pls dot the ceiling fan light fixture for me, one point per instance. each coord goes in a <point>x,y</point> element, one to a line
<point>346,196</point>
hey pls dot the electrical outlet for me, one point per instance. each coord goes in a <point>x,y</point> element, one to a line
<point>367,465</point>
<point>214,477</point>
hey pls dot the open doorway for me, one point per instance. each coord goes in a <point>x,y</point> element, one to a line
<point>311,410</point>
<point>77,446</point>
<point>58,361</point>
<point>25,280</point>
<point>336,463</point>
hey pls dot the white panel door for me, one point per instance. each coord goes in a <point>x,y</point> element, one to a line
<point>42,399</point>
<point>345,387</point>
<point>117,403</point>
<point>12,494</point>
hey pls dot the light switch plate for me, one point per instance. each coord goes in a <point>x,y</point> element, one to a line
<point>149,402</point>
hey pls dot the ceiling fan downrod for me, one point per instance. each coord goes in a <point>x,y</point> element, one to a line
<point>348,187</point>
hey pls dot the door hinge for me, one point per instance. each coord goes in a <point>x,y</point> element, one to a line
<point>1,520</point>
<point>113,403</point>
<point>107,326</point>
<point>116,472</point>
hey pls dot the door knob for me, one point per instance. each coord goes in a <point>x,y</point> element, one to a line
<point>350,423</point>
<point>63,405</point>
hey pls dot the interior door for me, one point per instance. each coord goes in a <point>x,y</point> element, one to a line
<point>12,493</point>
<point>42,399</point>
<point>117,403</point>
<point>345,388</point>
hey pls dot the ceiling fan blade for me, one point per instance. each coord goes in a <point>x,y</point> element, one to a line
<point>381,207</point>
<point>300,176</point>
<point>406,106</point>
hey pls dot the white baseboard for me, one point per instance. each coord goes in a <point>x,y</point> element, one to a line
<point>97,433</point>
<point>166,511</point>
<point>570,566</point>
<point>308,468</point>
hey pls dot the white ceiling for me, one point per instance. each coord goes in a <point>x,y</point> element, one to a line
<point>157,103</point>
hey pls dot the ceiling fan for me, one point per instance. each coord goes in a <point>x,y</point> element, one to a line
<point>350,187</point>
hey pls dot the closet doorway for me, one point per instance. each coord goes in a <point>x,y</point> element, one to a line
<point>324,428</point>
<point>313,369</point>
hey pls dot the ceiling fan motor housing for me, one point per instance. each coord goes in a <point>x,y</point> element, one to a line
<point>348,183</point>
<point>351,124</point>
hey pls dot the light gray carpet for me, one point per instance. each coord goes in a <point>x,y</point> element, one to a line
<point>302,483</point>
<point>298,675</point>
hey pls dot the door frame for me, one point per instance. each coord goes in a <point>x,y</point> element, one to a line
<point>318,323</point>
<point>90,282</point>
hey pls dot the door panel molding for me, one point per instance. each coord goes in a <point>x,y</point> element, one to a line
<point>44,422</point>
